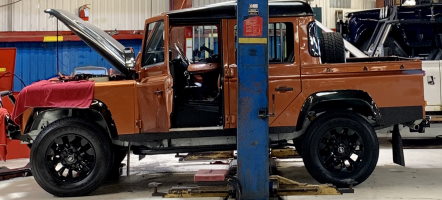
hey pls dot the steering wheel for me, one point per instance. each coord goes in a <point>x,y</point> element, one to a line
<point>183,57</point>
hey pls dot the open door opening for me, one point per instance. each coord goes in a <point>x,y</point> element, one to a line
<point>196,69</point>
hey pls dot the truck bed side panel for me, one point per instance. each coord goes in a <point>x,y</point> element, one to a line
<point>396,87</point>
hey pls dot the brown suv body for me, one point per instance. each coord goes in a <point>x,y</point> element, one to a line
<point>145,110</point>
<point>394,89</point>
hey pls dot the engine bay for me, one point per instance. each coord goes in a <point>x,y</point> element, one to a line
<point>92,73</point>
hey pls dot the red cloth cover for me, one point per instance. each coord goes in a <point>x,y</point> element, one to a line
<point>54,94</point>
<point>3,135</point>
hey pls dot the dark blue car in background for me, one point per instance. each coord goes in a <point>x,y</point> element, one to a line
<point>415,31</point>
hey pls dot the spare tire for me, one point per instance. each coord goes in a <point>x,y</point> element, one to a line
<point>332,48</point>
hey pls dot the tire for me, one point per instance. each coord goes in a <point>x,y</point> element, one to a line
<point>332,48</point>
<point>340,148</point>
<point>71,157</point>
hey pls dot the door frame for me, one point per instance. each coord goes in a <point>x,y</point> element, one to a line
<point>155,105</point>
<point>143,73</point>
<point>277,71</point>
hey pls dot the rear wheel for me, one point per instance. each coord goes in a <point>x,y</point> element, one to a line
<point>70,157</point>
<point>340,148</point>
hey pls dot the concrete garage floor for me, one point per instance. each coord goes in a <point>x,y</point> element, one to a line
<point>421,179</point>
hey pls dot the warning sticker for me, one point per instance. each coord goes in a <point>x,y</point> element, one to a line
<point>253,26</point>
<point>2,69</point>
<point>253,9</point>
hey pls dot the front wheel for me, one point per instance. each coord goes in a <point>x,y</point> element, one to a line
<point>70,157</point>
<point>341,149</point>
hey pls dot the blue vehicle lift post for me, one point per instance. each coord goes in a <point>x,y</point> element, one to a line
<point>253,180</point>
<point>253,128</point>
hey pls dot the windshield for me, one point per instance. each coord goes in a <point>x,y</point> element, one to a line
<point>154,49</point>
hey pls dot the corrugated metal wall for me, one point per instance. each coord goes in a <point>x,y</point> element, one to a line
<point>328,13</point>
<point>4,12</point>
<point>28,15</point>
<point>199,3</point>
<point>38,61</point>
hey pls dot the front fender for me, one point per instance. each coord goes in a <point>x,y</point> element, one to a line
<point>97,114</point>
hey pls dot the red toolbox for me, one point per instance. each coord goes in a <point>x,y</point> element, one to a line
<point>7,66</point>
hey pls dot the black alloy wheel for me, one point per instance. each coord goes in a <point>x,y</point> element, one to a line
<point>340,148</point>
<point>71,157</point>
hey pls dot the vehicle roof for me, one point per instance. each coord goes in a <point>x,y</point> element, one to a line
<point>227,10</point>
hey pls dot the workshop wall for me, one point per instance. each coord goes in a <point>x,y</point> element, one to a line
<point>199,3</point>
<point>28,15</point>
<point>38,60</point>
<point>329,7</point>
<point>4,12</point>
<point>332,7</point>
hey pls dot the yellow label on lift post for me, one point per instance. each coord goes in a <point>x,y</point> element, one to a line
<point>52,39</point>
<point>253,40</point>
<point>2,69</point>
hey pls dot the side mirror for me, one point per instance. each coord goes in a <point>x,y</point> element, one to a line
<point>129,57</point>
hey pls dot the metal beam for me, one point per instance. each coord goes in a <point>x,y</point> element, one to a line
<point>253,130</point>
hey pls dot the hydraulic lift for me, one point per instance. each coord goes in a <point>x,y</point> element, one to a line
<point>253,129</point>
<point>252,180</point>
<point>249,178</point>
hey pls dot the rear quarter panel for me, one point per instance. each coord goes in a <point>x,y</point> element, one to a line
<point>390,84</point>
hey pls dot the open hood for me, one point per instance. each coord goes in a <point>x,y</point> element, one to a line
<point>118,55</point>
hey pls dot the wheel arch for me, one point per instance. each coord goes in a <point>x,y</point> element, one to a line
<point>98,113</point>
<point>356,100</point>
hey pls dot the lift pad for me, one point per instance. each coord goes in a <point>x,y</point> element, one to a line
<point>287,187</point>
<point>213,155</point>
<point>198,192</point>
<point>211,175</point>
<point>280,187</point>
<point>284,153</point>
